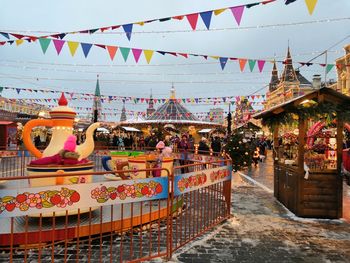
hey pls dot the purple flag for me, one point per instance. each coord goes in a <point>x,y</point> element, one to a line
<point>58,45</point>
<point>137,52</point>
<point>237,12</point>
<point>261,64</point>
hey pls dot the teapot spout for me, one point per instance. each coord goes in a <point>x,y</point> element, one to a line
<point>88,146</point>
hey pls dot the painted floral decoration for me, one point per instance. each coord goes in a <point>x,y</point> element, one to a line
<point>138,190</point>
<point>47,199</point>
<point>192,181</point>
<point>218,175</point>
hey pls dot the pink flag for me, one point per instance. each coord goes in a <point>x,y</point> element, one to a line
<point>261,64</point>
<point>137,52</point>
<point>237,12</point>
<point>58,45</point>
<point>192,18</point>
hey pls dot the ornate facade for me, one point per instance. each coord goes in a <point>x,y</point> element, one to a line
<point>290,85</point>
<point>343,72</point>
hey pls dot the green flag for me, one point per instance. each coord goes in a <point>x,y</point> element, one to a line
<point>251,63</point>
<point>125,52</point>
<point>329,68</point>
<point>44,43</point>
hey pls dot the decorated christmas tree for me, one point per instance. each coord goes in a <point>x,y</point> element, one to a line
<point>240,150</point>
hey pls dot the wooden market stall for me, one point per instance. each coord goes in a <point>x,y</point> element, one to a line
<point>306,187</point>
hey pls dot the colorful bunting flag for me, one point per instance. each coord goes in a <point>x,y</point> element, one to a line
<point>206,17</point>
<point>329,68</point>
<point>251,63</point>
<point>86,48</point>
<point>5,35</point>
<point>237,12</point>
<point>128,30</point>
<point>261,64</point>
<point>192,19</point>
<point>137,52</point>
<point>242,63</point>
<point>73,47</point>
<point>112,50</point>
<point>148,55</point>
<point>223,62</point>
<point>125,52</point>
<point>19,42</point>
<point>58,45</point>
<point>44,43</point>
<point>219,11</point>
<point>311,5</point>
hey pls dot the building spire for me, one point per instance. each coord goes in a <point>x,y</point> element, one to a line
<point>274,78</point>
<point>97,89</point>
<point>123,115</point>
<point>150,108</point>
<point>97,104</point>
<point>288,74</point>
<point>172,91</point>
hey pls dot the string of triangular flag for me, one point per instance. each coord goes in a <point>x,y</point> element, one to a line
<point>148,54</point>
<point>206,16</point>
<point>110,98</point>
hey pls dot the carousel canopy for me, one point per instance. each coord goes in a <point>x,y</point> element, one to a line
<point>173,111</point>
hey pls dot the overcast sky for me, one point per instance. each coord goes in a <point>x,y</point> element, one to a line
<point>19,65</point>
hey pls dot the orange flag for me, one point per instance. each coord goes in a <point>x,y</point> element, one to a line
<point>242,63</point>
<point>112,50</point>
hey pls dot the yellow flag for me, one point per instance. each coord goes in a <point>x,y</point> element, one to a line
<point>19,42</point>
<point>148,54</point>
<point>219,11</point>
<point>140,23</point>
<point>311,5</point>
<point>73,47</point>
<point>214,57</point>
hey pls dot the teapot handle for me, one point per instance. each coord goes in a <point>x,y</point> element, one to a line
<point>27,129</point>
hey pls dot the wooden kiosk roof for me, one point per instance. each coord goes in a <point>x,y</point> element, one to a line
<point>320,95</point>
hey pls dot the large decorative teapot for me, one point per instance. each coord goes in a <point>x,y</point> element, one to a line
<point>62,119</point>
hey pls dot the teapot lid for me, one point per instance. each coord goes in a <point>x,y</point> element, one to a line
<point>62,111</point>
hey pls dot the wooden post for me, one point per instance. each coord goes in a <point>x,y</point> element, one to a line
<point>275,144</point>
<point>301,145</point>
<point>299,185</point>
<point>340,127</point>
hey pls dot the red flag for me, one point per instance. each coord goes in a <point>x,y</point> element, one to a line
<point>192,19</point>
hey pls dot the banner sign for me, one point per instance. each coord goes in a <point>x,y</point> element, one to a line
<point>184,183</point>
<point>59,198</point>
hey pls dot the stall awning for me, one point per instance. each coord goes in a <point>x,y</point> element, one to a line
<point>5,122</point>
<point>131,129</point>
<point>204,131</point>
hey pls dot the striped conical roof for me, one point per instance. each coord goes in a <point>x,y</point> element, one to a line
<point>172,110</point>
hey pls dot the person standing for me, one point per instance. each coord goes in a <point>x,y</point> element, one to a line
<point>216,145</point>
<point>203,147</point>
<point>256,156</point>
<point>183,147</point>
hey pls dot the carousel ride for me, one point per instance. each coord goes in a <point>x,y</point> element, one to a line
<point>63,198</point>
